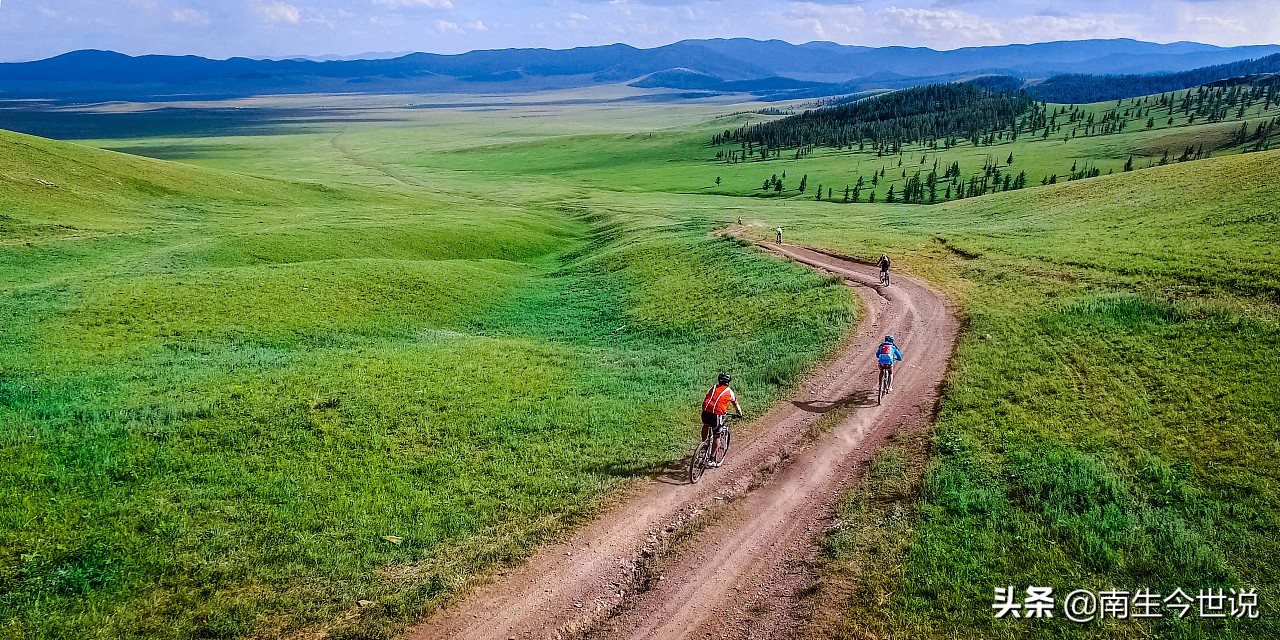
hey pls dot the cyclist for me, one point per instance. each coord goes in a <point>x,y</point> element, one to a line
<point>884,268</point>
<point>886,353</point>
<point>714,407</point>
<point>779,232</point>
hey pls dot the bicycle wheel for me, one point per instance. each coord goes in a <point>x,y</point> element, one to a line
<point>883,386</point>
<point>724,446</point>
<point>698,463</point>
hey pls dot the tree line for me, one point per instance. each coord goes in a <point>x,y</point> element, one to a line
<point>1083,88</point>
<point>929,115</point>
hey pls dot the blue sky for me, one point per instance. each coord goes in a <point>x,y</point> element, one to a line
<point>32,29</point>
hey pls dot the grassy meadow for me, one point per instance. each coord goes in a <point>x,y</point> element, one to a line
<point>1110,420</point>
<point>222,392</point>
<point>225,381</point>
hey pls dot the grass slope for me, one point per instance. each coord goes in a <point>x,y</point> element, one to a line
<point>1110,420</point>
<point>214,406</point>
<point>221,392</point>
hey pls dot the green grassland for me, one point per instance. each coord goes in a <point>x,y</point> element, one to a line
<point>226,380</point>
<point>221,392</point>
<point>1110,420</point>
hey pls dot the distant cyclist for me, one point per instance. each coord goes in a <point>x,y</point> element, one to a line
<point>714,407</point>
<point>886,354</point>
<point>779,232</point>
<point>884,269</point>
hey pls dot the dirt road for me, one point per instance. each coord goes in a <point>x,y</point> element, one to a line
<point>727,557</point>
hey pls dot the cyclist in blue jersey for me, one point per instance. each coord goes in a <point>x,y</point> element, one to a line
<point>886,354</point>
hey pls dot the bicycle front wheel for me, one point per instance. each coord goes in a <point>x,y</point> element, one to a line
<point>724,446</point>
<point>698,463</point>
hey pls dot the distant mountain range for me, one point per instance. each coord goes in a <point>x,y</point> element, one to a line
<point>767,68</point>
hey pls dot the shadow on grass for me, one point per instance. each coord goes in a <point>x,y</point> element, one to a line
<point>669,472</point>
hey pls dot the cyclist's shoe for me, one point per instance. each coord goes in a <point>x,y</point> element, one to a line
<point>890,390</point>
<point>712,464</point>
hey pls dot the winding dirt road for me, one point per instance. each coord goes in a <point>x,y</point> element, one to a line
<point>728,557</point>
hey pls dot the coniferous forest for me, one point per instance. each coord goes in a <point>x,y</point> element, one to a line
<point>930,115</point>
<point>932,119</point>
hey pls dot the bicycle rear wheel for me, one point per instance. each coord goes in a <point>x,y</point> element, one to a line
<point>698,463</point>
<point>883,386</point>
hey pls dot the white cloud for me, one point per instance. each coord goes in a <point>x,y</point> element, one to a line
<point>430,4</point>
<point>827,22</point>
<point>279,12</point>
<point>1219,23</point>
<point>189,16</point>
<point>939,27</point>
<point>444,26</point>
<point>477,25</point>
<point>1042,28</point>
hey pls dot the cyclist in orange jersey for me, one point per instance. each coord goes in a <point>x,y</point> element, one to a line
<point>714,408</point>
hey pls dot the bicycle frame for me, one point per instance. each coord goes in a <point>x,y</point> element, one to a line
<point>703,454</point>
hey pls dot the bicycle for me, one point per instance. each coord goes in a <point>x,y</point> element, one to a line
<point>884,385</point>
<point>884,278</point>
<point>702,453</point>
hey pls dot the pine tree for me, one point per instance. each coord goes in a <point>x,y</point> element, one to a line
<point>804,182</point>
<point>1009,160</point>
<point>1128,165</point>
<point>889,198</point>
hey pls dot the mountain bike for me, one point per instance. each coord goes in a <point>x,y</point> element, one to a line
<point>884,385</point>
<point>702,455</point>
<point>884,278</point>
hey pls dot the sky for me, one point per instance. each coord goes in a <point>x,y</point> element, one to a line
<point>33,29</point>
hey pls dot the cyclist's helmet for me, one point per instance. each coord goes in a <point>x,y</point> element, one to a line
<point>888,339</point>
<point>724,378</point>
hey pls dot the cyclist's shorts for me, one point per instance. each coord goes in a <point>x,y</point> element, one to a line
<point>712,420</point>
<point>886,367</point>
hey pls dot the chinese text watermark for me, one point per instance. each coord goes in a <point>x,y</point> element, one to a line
<point>1083,605</point>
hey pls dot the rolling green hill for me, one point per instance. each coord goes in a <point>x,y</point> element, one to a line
<point>1110,421</point>
<point>220,392</point>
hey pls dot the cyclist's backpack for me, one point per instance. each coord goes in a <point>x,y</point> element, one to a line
<point>886,354</point>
